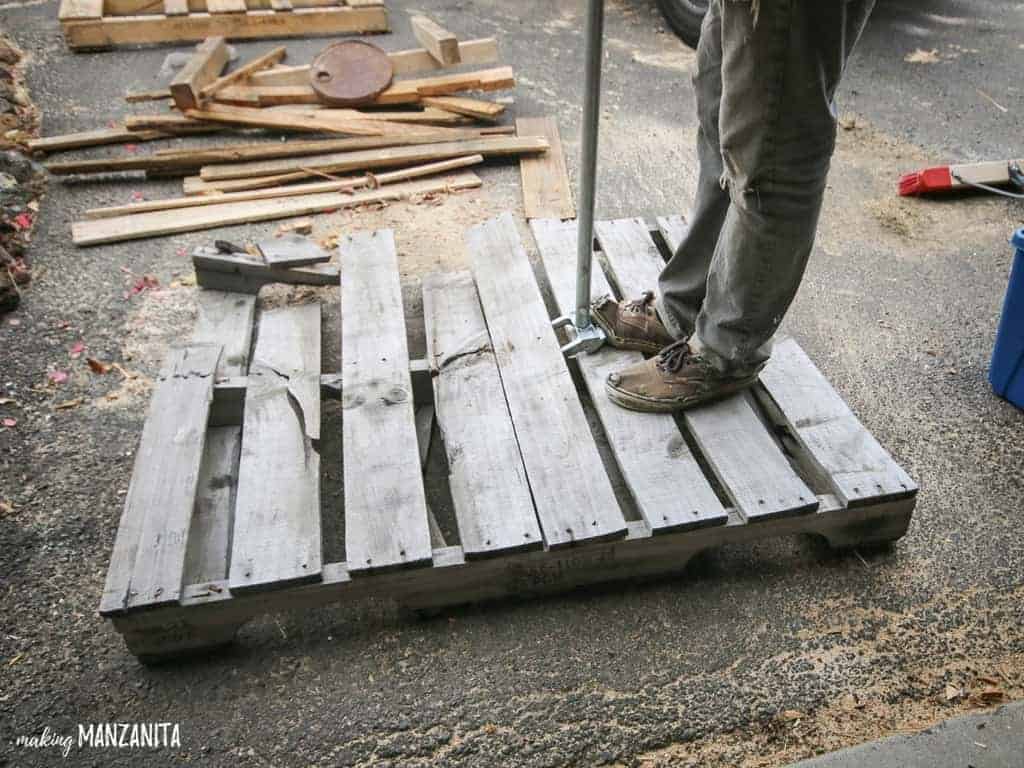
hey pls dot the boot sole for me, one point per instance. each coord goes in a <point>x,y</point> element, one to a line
<point>619,342</point>
<point>634,402</point>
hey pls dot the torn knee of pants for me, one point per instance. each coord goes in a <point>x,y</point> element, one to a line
<point>745,196</point>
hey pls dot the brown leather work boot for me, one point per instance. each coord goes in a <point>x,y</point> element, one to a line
<point>675,380</point>
<point>631,324</point>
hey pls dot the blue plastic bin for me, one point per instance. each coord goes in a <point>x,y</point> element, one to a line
<point>1007,371</point>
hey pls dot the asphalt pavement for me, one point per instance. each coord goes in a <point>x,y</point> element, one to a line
<point>757,655</point>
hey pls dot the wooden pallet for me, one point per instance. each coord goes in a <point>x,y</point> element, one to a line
<point>222,520</point>
<point>97,24</point>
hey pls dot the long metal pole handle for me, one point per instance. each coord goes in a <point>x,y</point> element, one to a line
<point>588,161</point>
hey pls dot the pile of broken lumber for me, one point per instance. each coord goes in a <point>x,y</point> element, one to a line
<point>420,125</point>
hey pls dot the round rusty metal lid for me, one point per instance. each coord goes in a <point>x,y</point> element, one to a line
<point>350,73</point>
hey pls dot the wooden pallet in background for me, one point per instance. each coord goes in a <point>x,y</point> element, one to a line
<point>96,24</point>
<point>230,525</point>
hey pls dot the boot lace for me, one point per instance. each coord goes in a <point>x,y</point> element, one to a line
<point>639,306</point>
<point>672,357</point>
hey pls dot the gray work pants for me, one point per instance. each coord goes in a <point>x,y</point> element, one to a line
<point>766,74</point>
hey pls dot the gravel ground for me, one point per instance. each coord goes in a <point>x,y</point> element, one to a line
<point>757,654</point>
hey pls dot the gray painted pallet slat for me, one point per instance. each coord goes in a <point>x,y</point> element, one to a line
<point>729,433</point>
<point>276,539</point>
<point>227,319</point>
<point>385,504</point>
<point>147,564</point>
<point>572,493</point>
<point>486,474</point>
<point>860,470</point>
<point>665,479</point>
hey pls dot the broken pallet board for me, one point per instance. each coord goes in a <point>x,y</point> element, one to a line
<point>385,506</point>
<point>547,192</point>
<point>573,495</point>
<point>226,319</point>
<point>486,474</point>
<point>276,536</point>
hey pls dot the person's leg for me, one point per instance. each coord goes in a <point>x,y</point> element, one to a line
<point>781,63</point>
<point>683,282</point>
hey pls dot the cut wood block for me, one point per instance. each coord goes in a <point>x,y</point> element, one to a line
<point>176,8</point>
<point>475,108</point>
<point>292,250</point>
<point>573,495</point>
<point>157,223</point>
<point>377,158</point>
<point>441,44</point>
<point>276,537</point>
<point>260,62</point>
<point>385,506</point>
<point>747,461</point>
<point>486,474</point>
<point>662,474</point>
<point>859,470</point>
<point>225,6</point>
<point>416,60</point>
<point>147,564</point>
<point>547,192</point>
<point>91,33</point>
<point>210,58</point>
<point>227,319</point>
<point>71,10</point>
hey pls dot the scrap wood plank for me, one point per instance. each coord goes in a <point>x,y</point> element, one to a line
<point>276,536</point>
<point>72,10</point>
<point>150,28</point>
<point>547,192</point>
<point>356,182</point>
<point>225,6</point>
<point>268,59</point>
<point>482,51</point>
<point>227,319</point>
<point>94,138</point>
<point>147,564</point>
<point>438,41</point>
<point>341,162</point>
<point>572,493</point>
<point>385,504</point>
<point>665,479</point>
<point>175,7</point>
<point>210,57</point>
<point>118,228</point>
<point>859,469</point>
<point>261,118</point>
<point>486,474</point>
<point>730,434</point>
<point>479,109</point>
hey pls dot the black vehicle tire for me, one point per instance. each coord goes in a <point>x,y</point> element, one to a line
<point>685,17</point>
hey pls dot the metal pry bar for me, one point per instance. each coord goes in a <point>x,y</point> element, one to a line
<point>587,337</point>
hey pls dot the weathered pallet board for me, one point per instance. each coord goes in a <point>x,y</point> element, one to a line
<point>276,538</point>
<point>147,565</point>
<point>731,435</point>
<point>385,504</point>
<point>233,19</point>
<point>487,478</point>
<point>547,191</point>
<point>227,319</point>
<point>572,493</point>
<point>665,479</point>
